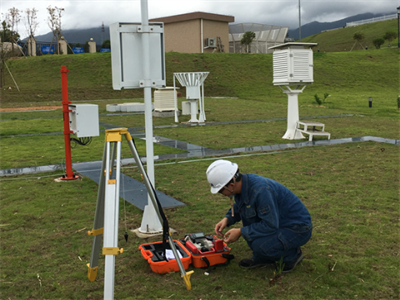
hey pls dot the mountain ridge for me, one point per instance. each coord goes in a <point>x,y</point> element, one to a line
<point>74,36</point>
<point>317,27</point>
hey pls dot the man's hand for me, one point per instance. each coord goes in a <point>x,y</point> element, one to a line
<point>232,235</point>
<point>220,226</point>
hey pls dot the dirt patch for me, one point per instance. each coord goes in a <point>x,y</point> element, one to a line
<point>31,108</point>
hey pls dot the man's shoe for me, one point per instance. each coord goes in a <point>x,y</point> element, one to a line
<point>289,266</point>
<point>249,263</point>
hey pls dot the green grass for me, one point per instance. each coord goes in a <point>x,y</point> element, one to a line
<point>351,192</point>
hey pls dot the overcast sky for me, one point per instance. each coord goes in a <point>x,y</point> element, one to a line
<point>92,13</point>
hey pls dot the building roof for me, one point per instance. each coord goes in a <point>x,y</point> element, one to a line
<point>194,16</point>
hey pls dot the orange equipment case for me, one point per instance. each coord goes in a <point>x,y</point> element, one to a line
<point>218,254</point>
<point>154,254</point>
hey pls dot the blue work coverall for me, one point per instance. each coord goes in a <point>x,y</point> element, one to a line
<point>275,221</point>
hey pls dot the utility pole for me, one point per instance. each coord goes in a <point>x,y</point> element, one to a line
<point>299,22</point>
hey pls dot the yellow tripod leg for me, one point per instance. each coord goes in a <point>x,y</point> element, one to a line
<point>92,272</point>
<point>186,278</point>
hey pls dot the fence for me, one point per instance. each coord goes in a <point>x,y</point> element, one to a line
<point>373,20</point>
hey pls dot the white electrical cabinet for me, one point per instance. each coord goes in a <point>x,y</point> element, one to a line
<point>84,120</point>
<point>293,64</point>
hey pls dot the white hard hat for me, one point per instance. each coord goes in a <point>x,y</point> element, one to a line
<point>219,173</point>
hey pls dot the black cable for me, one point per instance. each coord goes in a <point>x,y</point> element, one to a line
<point>85,141</point>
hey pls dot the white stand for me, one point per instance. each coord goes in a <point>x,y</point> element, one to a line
<point>193,82</point>
<point>193,111</point>
<point>150,223</point>
<point>292,113</point>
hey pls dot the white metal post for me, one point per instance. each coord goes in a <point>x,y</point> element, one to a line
<point>202,116</point>
<point>175,101</point>
<point>149,223</point>
<point>293,114</point>
<point>193,111</point>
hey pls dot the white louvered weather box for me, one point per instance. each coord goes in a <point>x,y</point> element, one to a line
<point>164,99</point>
<point>293,63</point>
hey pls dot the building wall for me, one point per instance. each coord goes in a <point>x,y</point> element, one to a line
<point>182,36</point>
<point>185,36</point>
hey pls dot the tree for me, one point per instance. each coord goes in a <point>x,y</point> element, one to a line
<point>389,36</point>
<point>5,32</point>
<point>358,37</point>
<point>54,22</point>
<point>106,44</point>
<point>7,36</point>
<point>86,47</point>
<point>31,24</point>
<point>247,39</point>
<point>13,17</point>
<point>378,43</point>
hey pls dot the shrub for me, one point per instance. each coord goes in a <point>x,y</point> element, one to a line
<point>378,43</point>
<point>318,99</point>
<point>390,36</point>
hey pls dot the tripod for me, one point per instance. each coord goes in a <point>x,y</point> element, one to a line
<point>105,226</point>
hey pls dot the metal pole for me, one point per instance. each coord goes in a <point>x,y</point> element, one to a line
<point>148,110</point>
<point>398,27</point>
<point>299,22</point>
<point>68,161</point>
<point>147,92</point>
<point>175,102</point>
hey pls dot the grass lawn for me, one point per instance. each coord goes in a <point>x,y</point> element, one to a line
<point>351,191</point>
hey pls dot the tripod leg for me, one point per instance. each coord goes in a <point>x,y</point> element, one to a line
<point>150,190</point>
<point>111,211</point>
<point>98,224</point>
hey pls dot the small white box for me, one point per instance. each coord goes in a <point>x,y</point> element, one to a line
<point>84,120</point>
<point>113,107</point>
<point>185,108</point>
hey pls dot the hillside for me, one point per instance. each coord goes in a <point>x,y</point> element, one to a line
<point>342,39</point>
<point>80,35</point>
<point>317,27</point>
<point>248,76</point>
